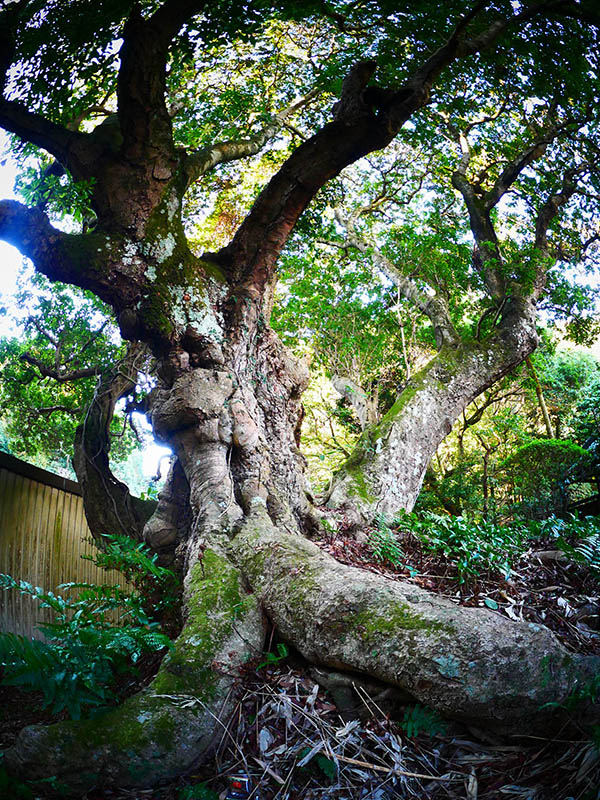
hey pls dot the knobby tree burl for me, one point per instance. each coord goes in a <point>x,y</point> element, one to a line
<point>228,396</point>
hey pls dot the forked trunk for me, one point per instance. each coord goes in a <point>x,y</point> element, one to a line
<point>233,426</point>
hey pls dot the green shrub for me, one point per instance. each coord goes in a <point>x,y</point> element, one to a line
<point>536,476</point>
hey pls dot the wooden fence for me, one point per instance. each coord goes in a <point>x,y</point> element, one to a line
<point>43,534</point>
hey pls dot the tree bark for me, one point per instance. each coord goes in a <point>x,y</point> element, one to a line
<point>110,508</point>
<point>386,470</point>
<point>228,404</point>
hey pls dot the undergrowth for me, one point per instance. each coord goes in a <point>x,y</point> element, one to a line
<point>97,633</point>
<point>478,548</point>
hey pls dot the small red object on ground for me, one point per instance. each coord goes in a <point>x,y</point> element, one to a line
<point>240,788</point>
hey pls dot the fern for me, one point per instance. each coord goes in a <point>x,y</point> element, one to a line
<point>139,566</point>
<point>585,551</point>
<point>419,719</point>
<point>384,544</point>
<point>75,668</point>
<point>589,550</point>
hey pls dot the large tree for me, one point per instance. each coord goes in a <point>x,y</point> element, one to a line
<point>172,82</point>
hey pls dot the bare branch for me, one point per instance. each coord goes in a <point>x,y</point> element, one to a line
<point>57,373</point>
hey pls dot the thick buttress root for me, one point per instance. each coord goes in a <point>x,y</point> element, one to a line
<point>471,664</point>
<point>169,727</point>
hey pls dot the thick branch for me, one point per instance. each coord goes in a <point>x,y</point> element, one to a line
<point>365,128</point>
<point>34,128</point>
<point>171,16</point>
<point>59,374</point>
<point>29,230</point>
<point>202,161</point>
<point>81,259</point>
<point>143,115</point>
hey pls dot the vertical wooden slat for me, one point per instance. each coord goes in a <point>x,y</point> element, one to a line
<point>9,550</point>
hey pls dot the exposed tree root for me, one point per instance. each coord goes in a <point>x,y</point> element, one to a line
<point>470,664</point>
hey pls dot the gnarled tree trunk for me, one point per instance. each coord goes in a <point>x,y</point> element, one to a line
<point>385,472</point>
<point>233,428</point>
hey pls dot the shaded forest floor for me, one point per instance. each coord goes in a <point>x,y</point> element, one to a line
<point>289,736</point>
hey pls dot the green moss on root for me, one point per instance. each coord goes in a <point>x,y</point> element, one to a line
<point>214,602</point>
<point>398,616</point>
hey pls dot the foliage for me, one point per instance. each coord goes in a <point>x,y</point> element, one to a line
<point>586,416</point>
<point>66,332</point>
<point>535,475</point>
<point>567,377</point>
<point>455,489</point>
<point>326,440</point>
<point>84,651</point>
<point>384,544</point>
<point>588,551</point>
<point>58,195</point>
<point>197,791</point>
<point>473,548</point>
<point>4,443</point>
<point>419,719</point>
<point>569,527</point>
<point>578,538</point>
<point>139,566</point>
<point>271,658</point>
